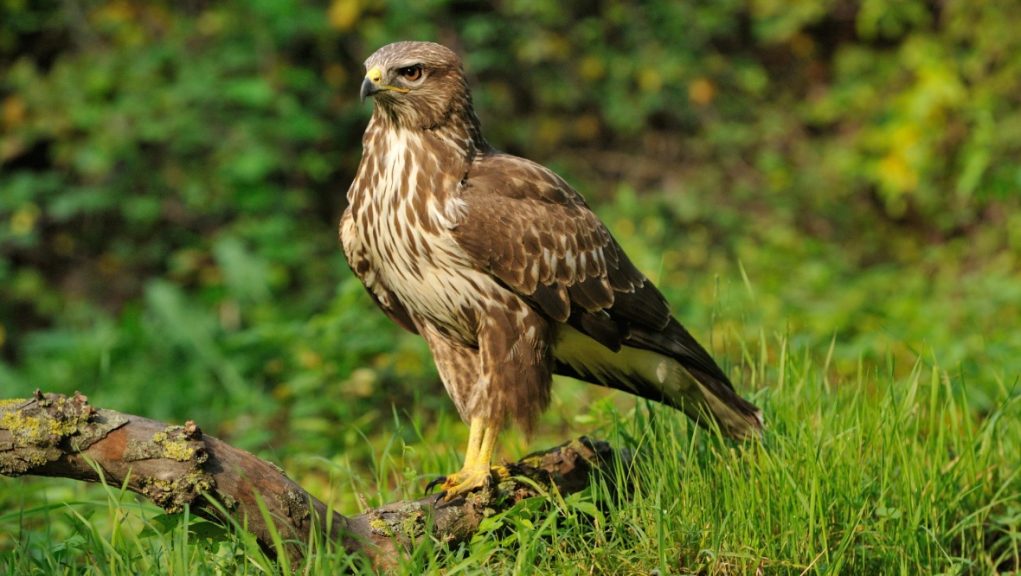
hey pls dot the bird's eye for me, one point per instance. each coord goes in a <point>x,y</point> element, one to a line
<point>411,73</point>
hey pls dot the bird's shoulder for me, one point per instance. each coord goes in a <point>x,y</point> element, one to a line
<point>504,176</point>
<point>526,226</point>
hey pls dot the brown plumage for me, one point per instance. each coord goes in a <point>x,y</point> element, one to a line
<point>504,270</point>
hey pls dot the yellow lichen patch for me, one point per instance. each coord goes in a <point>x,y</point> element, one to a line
<point>172,495</point>
<point>226,500</point>
<point>381,527</point>
<point>11,402</point>
<point>27,430</point>
<point>140,450</point>
<point>178,450</point>
<point>175,445</point>
<point>62,428</point>
<point>39,425</point>
<point>25,459</point>
<point>170,443</point>
<point>34,447</point>
<point>44,428</point>
<point>197,482</point>
<point>412,522</point>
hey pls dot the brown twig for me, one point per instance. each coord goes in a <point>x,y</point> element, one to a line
<point>174,466</point>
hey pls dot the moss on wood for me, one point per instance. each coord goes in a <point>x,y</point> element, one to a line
<point>38,428</point>
<point>173,494</point>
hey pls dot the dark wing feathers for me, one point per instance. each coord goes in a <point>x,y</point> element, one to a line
<point>601,327</point>
<point>675,340</point>
<point>551,299</point>
<point>555,252</point>
<point>592,293</point>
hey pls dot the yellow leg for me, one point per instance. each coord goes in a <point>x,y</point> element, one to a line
<point>476,470</point>
<point>476,431</point>
<point>486,445</point>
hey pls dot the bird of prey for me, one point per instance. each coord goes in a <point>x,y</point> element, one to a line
<point>503,269</point>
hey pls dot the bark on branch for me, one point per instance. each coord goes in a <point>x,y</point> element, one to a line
<point>61,436</point>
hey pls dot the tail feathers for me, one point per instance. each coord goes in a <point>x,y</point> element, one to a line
<point>675,371</point>
<point>736,417</point>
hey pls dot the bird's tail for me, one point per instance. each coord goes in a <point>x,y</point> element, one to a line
<point>736,417</point>
<point>668,366</point>
<point>704,390</point>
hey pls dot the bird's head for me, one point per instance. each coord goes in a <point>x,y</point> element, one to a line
<point>418,85</point>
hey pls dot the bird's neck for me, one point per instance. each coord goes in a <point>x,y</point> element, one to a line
<point>462,133</point>
<point>456,132</point>
<point>462,124</point>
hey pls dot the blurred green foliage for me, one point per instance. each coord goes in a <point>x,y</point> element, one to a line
<point>171,174</point>
<point>834,180</point>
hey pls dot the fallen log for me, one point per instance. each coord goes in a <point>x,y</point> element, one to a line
<point>177,466</point>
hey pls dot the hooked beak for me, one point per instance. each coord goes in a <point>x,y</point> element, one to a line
<point>368,88</point>
<point>372,82</point>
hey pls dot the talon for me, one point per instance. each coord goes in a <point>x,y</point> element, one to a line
<point>438,481</point>
<point>476,472</point>
<point>465,481</point>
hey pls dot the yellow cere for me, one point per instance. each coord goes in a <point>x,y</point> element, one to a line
<point>375,75</point>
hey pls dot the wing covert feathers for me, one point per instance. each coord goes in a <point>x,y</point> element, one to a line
<point>528,228</point>
<point>533,232</point>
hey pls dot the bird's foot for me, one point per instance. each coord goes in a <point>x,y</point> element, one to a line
<point>467,480</point>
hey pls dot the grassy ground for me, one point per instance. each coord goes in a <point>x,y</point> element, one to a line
<point>889,390</point>
<point>879,475</point>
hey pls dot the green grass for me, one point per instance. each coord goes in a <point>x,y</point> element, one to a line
<point>890,387</point>
<point>871,475</point>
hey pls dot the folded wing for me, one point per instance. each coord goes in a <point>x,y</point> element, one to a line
<point>529,229</point>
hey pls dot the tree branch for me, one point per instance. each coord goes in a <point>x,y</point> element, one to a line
<point>60,436</point>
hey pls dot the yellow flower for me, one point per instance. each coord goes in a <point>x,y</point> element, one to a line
<point>343,14</point>
<point>23,220</point>
<point>701,91</point>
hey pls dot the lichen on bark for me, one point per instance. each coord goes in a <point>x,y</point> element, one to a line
<point>172,495</point>
<point>296,505</point>
<point>39,428</point>
<point>178,443</point>
<point>175,466</point>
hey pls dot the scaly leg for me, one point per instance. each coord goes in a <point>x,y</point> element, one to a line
<point>476,470</point>
<point>476,430</point>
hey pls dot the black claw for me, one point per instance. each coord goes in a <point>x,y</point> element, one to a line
<point>434,483</point>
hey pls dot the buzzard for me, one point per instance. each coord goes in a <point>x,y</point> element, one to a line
<point>503,269</point>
